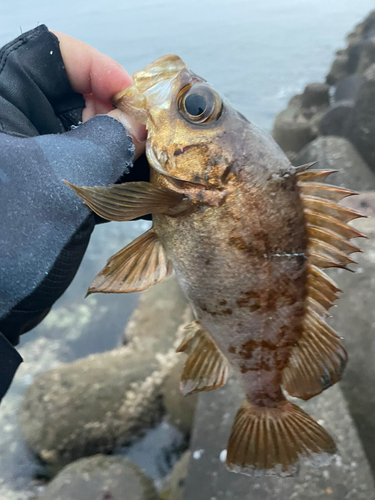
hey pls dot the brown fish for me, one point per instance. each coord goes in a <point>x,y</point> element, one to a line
<point>247,235</point>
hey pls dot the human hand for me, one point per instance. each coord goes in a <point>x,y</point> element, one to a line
<point>98,78</point>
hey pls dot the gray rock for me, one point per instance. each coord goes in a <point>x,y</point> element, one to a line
<point>315,94</point>
<point>361,125</point>
<point>97,403</point>
<point>91,405</point>
<point>297,125</point>
<point>354,319</point>
<point>336,153</point>
<point>101,478</point>
<point>347,89</point>
<point>176,484</point>
<point>334,122</point>
<point>366,56</point>
<point>348,477</point>
<point>159,313</point>
<point>339,68</point>
<point>180,409</point>
<point>292,130</point>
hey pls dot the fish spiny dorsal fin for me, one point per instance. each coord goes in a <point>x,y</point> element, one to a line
<point>318,359</point>
<point>206,368</point>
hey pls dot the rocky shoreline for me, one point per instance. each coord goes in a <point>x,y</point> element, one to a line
<point>77,416</point>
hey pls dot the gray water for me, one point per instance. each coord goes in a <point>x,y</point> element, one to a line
<point>258,53</point>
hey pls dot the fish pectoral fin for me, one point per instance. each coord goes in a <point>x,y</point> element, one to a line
<point>270,441</point>
<point>123,202</point>
<point>206,368</point>
<point>317,361</point>
<point>136,267</point>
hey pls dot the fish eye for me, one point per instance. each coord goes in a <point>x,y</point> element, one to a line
<point>199,104</point>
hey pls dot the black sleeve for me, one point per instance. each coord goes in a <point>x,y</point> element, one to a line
<point>44,227</point>
<point>35,94</point>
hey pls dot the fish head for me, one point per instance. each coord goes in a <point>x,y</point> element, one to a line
<point>194,134</point>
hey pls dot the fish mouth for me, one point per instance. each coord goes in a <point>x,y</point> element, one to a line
<point>152,86</point>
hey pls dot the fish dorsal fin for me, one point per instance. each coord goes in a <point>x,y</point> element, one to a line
<point>123,202</point>
<point>136,267</point>
<point>206,368</point>
<point>318,359</point>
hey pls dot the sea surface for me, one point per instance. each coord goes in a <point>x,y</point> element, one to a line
<point>257,53</point>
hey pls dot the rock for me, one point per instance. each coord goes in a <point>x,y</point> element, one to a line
<point>339,68</point>
<point>366,56</point>
<point>298,124</point>
<point>347,89</point>
<point>336,153</point>
<point>354,319</point>
<point>180,409</point>
<point>368,25</point>
<point>159,313</point>
<point>176,484</point>
<point>315,94</point>
<point>100,402</point>
<point>348,477</point>
<point>101,478</point>
<point>292,130</point>
<point>361,125</point>
<point>334,122</point>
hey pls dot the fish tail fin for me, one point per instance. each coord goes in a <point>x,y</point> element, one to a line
<point>270,441</point>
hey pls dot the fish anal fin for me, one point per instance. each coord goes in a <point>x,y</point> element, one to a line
<point>317,360</point>
<point>206,368</point>
<point>140,265</point>
<point>270,441</point>
<point>127,201</point>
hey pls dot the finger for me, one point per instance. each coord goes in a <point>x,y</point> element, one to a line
<point>91,72</point>
<point>94,107</point>
<point>133,128</point>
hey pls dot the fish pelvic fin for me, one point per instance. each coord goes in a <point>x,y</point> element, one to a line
<point>138,266</point>
<point>271,441</point>
<point>318,359</point>
<point>206,368</point>
<point>127,201</point>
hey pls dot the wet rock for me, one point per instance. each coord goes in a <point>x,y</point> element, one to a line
<point>298,124</point>
<point>176,484</point>
<point>91,405</point>
<point>348,477</point>
<point>361,125</point>
<point>159,313</point>
<point>366,56</point>
<point>101,478</point>
<point>336,153</point>
<point>98,403</point>
<point>347,89</point>
<point>315,94</point>
<point>180,409</point>
<point>334,122</point>
<point>339,68</point>
<point>354,319</point>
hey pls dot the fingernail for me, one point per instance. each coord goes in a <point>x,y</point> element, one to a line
<point>135,128</point>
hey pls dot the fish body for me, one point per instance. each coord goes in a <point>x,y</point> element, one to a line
<point>247,234</point>
<point>245,278</point>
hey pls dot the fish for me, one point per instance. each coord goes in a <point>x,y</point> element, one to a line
<point>248,236</point>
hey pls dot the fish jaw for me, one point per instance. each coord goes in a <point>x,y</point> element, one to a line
<point>152,86</point>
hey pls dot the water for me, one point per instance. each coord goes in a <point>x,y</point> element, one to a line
<point>258,53</point>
